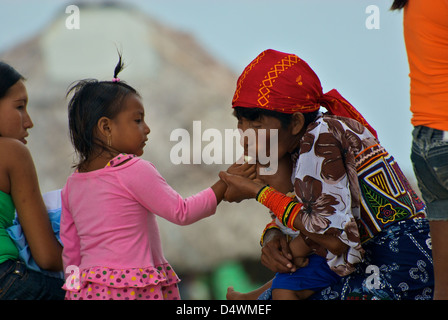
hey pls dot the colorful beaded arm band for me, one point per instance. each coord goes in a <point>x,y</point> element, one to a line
<point>284,208</point>
<point>269,226</point>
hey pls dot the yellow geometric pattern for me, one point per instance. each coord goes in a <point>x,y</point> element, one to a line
<point>276,70</point>
<point>379,180</point>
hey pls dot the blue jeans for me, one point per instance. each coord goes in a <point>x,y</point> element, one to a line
<point>429,157</point>
<point>17,282</point>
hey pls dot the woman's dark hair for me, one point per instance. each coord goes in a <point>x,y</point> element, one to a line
<point>92,100</point>
<point>398,4</point>
<point>253,114</point>
<point>8,77</point>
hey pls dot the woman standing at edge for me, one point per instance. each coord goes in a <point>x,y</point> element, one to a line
<point>19,190</point>
<point>425,26</point>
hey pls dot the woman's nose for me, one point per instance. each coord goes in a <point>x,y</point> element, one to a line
<point>27,122</point>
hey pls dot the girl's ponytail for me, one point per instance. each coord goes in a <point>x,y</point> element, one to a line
<point>118,68</point>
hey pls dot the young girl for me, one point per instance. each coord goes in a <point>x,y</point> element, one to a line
<point>109,205</point>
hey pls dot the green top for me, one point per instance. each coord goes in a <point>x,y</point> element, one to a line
<point>8,249</point>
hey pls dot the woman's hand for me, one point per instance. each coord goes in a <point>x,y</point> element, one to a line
<point>275,254</point>
<point>239,188</point>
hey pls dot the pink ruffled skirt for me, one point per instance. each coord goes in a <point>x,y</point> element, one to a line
<point>101,283</point>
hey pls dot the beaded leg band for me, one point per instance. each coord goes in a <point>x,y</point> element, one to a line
<point>284,208</point>
<point>269,226</point>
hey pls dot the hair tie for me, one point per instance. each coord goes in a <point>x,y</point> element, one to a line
<point>115,79</point>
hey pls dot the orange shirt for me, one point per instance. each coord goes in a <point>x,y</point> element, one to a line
<point>426,37</point>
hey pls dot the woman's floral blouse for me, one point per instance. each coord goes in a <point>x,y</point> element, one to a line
<point>323,175</point>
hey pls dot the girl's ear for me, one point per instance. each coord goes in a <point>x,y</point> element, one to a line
<point>297,123</point>
<point>104,125</point>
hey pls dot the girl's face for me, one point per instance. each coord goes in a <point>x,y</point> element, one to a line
<point>128,129</point>
<point>14,118</point>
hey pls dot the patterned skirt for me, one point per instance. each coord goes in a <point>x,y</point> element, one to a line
<point>397,266</point>
<point>102,283</point>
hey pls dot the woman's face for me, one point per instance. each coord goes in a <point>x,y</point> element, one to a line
<point>14,118</point>
<point>274,138</point>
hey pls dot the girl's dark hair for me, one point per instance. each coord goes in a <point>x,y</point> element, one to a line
<point>398,4</point>
<point>253,114</point>
<point>8,77</point>
<point>92,100</point>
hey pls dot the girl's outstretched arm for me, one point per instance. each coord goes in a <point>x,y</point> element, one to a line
<point>219,188</point>
<point>147,186</point>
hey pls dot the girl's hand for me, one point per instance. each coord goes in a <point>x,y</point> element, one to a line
<point>245,170</point>
<point>239,188</point>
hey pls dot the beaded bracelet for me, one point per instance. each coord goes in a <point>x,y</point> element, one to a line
<point>269,226</point>
<point>284,208</point>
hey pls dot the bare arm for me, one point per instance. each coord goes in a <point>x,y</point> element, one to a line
<point>242,188</point>
<point>31,211</point>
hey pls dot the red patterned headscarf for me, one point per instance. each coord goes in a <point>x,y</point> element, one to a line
<point>285,83</point>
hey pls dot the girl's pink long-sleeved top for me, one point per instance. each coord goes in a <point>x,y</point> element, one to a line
<point>109,216</point>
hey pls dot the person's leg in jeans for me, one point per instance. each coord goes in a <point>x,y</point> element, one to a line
<point>17,282</point>
<point>430,160</point>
